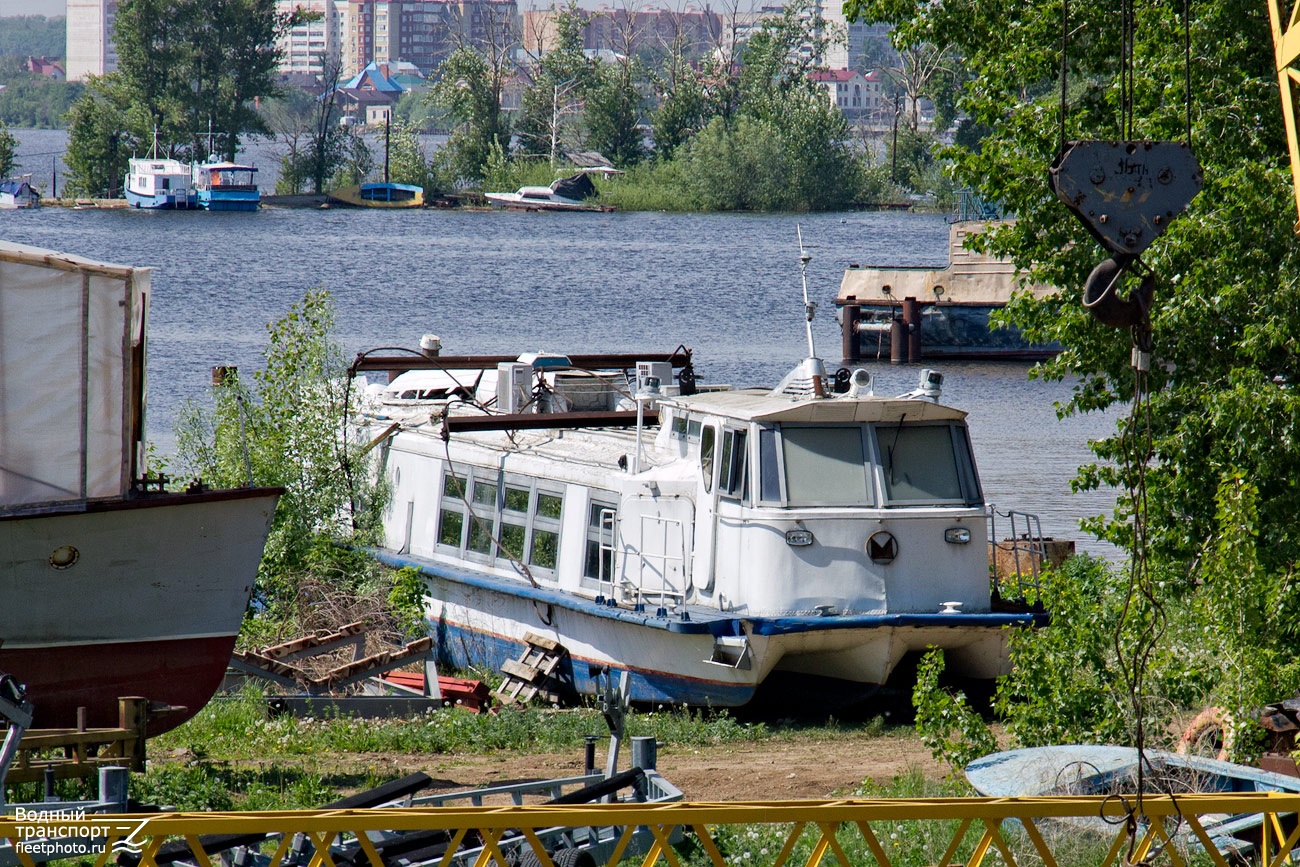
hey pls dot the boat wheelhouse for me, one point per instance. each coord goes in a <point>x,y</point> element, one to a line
<point>154,183</point>
<point>226,186</point>
<point>708,542</point>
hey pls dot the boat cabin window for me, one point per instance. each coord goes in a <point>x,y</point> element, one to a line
<point>733,479</point>
<point>927,464</point>
<point>601,521</point>
<point>517,514</point>
<point>825,466</point>
<point>769,468</point>
<point>687,429</point>
<point>708,439</point>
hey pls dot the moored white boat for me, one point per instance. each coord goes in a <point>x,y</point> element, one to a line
<point>730,540</point>
<point>159,183</point>
<point>112,587</point>
<point>564,194</point>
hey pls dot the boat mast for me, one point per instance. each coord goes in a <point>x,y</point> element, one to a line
<point>809,307</point>
<point>387,116</point>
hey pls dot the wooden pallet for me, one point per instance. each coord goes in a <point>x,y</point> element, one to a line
<point>81,752</point>
<point>532,674</point>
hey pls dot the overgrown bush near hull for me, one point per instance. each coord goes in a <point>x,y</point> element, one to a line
<point>285,429</point>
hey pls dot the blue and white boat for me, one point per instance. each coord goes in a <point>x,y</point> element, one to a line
<point>18,193</point>
<point>159,183</point>
<point>713,543</point>
<point>1093,769</point>
<point>226,186</point>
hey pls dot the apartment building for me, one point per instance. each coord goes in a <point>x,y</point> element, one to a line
<point>90,38</point>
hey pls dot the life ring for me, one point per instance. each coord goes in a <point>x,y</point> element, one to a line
<point>1205,724</point>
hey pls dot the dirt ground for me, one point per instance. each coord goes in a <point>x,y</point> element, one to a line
<point>779,769</point>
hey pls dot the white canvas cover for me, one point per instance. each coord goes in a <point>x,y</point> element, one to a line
<point>72,355</point>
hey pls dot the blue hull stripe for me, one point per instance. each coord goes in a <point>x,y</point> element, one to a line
<point>711,622</point>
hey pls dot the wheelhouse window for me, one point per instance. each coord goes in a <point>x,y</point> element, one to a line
<point>825,466</point>
<point>927,464</point>
<point>733,479</point>
<point>708,439</point>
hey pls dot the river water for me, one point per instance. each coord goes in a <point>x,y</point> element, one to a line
<point>725,285</point>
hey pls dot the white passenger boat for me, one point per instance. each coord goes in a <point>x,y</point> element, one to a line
<point>159,183</point>
<point>709,542</point>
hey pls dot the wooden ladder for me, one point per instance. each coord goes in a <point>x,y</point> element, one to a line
<point>530,675</point>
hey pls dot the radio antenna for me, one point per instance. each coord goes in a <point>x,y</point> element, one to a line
<point>809,307</point>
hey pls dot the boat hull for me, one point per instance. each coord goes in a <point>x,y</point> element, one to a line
<point>956,332</point>
<point>380,196</point>
<point>138,597</point>
<point>517,202</point>
<point>229,200</point>
<point>478,620</point>
<point>161,201</point>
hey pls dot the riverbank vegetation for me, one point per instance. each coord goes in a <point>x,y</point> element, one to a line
<point>189,76</point>
<point>743,129</point>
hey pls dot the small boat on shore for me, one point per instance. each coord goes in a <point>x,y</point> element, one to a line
<point>379,195</point>
<point>18,193</point>
<point>1089,769</point>
<point>226,186</point>
<point>113,586</point>
<point>564,194</point>
<point>712,542</point>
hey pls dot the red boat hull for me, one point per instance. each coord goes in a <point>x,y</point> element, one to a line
<point>136,597</point>
<point>181,673</point>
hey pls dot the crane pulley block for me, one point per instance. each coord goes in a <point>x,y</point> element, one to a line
<point>1126,192</point>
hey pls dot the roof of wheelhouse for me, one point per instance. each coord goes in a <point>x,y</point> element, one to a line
<point>761,405</point>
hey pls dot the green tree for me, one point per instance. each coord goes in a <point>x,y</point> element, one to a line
<point>99,143</point>
<point>550,115</point>
<point>1218,404</point>
<point>613,112</point>
<point>8,151</point>
<point>682,103</point>
<point>406,161</point>
<point>786,148</point>
<point>280,427</point>
<point>23,35</point>
<point>189,74</point>
<point>468,87</point>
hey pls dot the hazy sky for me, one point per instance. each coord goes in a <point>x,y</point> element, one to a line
<point>32,7</point>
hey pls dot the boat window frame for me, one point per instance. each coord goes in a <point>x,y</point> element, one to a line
<point>708,464</point>
<point>599,503</point>
<point>769,454</point>
<point>734,464</point>
<point>530,519</point>
<point>966,472</point>
<point>870,464</point>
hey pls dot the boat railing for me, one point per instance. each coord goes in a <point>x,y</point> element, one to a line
<point>653,565</point>
<point>1017,552</point>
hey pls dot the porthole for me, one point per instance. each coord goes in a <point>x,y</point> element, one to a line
<point>64,557</point>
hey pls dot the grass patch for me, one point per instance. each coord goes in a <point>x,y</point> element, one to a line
<point>240,729</point>
<point>232,755</point>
